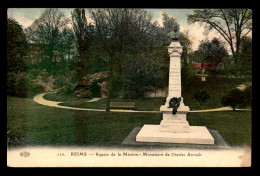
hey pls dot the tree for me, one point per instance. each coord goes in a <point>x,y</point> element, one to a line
<point>47,30</point>
<point>213,51</point>
<point>66,46</point>
<point>82,33</point>
<point>234,98</point>
<point>17,47</point>
<point>187,46</point>
<point>246,53</point>
<point>121,31</point>
<point>168,23</point>
<point>232,24</point>
<point>198,57</point>
<point>141,74</point>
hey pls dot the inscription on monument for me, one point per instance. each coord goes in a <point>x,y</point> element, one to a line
<point>174,77</point>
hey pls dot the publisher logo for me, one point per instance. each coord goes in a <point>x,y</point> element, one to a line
<point>24,154</point>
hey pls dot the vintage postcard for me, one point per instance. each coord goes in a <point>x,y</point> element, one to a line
<point>128,87</point>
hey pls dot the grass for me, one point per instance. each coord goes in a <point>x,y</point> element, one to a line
<point>148,104</point>
<point>217,87</point>
<point>233,126</point>
<point>41,125</point>
<point>31,124</point>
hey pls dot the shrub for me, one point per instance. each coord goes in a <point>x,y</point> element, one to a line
<point>33,73</point>
<point>10,83</point>
<point>234,98</point>
<point>33,87</point>
<point>16,84</point>
<point>21,85</point>
<point>201,96</point>
<point>60,82</point>
<point>68,90</point>
<point>44,75</point>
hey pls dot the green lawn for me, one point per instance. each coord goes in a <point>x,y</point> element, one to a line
<point>35,124</point>
<point>148,104</point>
<point>29,123</point>
<point>234,127</point>
<point>215,86</point>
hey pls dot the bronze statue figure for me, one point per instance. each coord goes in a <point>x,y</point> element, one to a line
<point>174,103</point>
<point>175,34</point>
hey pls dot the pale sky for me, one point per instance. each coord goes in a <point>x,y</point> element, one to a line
<point>26,16</point>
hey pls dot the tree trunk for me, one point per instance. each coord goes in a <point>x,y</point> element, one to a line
<point>109,86</point>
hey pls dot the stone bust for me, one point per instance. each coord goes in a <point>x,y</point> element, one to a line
<point>175,34</point>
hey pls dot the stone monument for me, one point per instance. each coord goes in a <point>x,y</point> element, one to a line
<point>174,127</point>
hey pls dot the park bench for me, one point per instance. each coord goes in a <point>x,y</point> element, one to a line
<point>122,105</point>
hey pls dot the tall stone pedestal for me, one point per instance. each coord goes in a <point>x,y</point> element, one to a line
<point>174,128</point>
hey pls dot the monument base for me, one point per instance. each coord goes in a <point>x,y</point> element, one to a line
<point>197,135</point>
<point>175,126</point>
<point>176,123</point>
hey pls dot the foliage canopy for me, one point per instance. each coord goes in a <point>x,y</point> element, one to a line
<point>17,46</point>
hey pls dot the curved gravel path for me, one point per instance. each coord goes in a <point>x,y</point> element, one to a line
<point>40,100</point>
